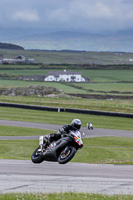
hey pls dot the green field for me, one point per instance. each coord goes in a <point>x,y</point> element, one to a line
<point>77,88</point>
<point>56,57</point>
<point>111,76</point>
<point>102,88</point>
<point>102,75</point>
<point>116,83</point>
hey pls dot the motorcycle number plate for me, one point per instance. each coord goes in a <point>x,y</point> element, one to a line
<point>40,140</point>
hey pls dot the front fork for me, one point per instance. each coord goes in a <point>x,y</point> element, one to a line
<point>41,142</point>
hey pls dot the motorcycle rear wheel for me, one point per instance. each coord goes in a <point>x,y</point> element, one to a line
<point>66,156</point>
<point>36,158</point>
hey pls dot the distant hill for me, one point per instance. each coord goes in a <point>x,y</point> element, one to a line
<point>80,41</point>
<point>10,46</point>
<point>121,41</point>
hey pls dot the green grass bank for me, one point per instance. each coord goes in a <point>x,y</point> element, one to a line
<point>64,196</point>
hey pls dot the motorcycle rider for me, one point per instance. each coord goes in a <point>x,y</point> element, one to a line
<point>88,124</point>
<point>75,126</point>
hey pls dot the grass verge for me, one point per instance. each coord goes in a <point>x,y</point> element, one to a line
<point>105,150</point>
<point>17,149</point>
<point>22,131</point>
<point>64,196</point>
<point>110,105</point>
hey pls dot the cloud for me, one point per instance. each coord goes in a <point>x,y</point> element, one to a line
<point>81,10</point>
<point>83,15</point>
<point>88,11</point>
<point>26,15</point>
<point>86,15</point>
<point>96,15</point>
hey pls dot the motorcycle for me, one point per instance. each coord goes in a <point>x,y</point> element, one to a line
<point>61,151</point>
<point>90,126</point>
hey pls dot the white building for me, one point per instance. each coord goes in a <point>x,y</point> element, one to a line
<point>67,76</point>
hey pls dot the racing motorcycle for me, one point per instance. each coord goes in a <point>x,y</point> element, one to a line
<point>89,125</point>
<point>61,151</point>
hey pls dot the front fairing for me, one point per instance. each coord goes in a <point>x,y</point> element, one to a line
<point>76,136</point>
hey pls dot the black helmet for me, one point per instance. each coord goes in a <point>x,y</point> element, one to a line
<point>76,124</point>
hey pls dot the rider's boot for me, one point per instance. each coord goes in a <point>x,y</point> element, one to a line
<point>43,142</point>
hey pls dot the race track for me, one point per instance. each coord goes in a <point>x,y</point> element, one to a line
<point>24,176</point>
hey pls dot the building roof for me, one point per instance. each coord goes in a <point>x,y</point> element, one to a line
<point>20,57</point>
<point>57,73</point>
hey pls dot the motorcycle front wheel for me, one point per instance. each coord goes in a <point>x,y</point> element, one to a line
<point>66,155</point>
<point>36,158</point>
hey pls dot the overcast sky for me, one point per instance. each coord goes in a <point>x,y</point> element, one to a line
<point>79,15</point>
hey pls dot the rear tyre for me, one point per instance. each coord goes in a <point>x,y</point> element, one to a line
<point>36,158</point>
<point>66,155</point>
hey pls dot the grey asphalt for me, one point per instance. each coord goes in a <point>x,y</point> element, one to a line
<point>47,177</point>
